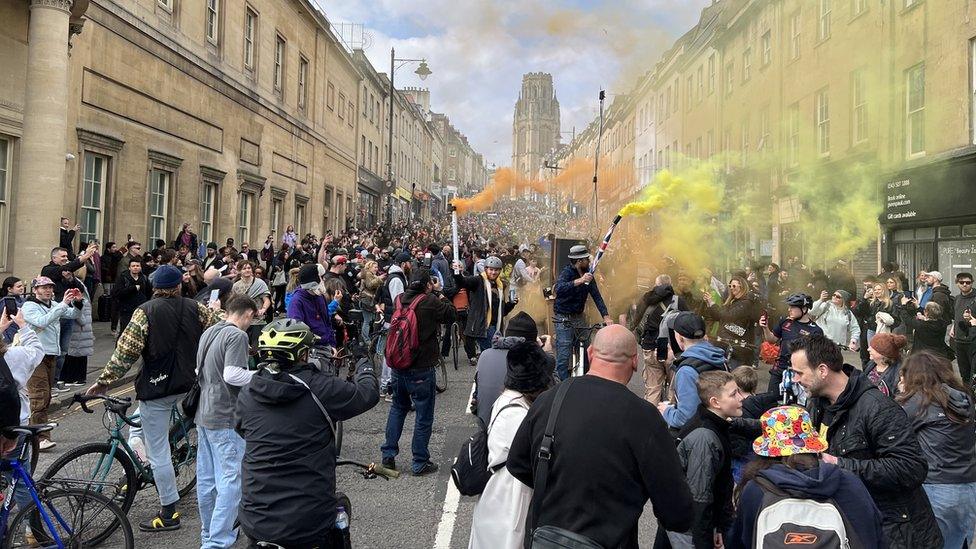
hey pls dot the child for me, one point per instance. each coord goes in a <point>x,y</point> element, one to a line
<point>706,457</point>
<point>743,432</point>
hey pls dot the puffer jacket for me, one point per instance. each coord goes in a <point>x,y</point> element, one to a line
<point>737,321</point>
<point>948,447</point>
<point>82,342</point>
<point>872,437</point>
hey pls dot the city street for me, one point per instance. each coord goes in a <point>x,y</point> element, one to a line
<point>407,512</point>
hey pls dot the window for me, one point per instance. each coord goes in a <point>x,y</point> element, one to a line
<point>823,30</point>
<point>711,73</point>
<point>767,49</point>
<point>250,30</point>
<point>451,174</point>
<point>213,22</point>
<point>747,64</point>
<point>795,36</point>
<point>745,141</point>
<point>279,63</point>
<point>159,183</point>
<point>794,134</point>
<point>342,106</point>
<point>365,101</point>
<point>352,112</point>
<point>691,91</point>
<point>701,82</point>
<point>972,90</point>
<point>302,82</point>
<point>166,4</point>
<point>698,148</point>
<point>300,216</point>
<point>912,3</point>
<point>4,197</point>
<point>452,152</point>
<point>330,97</point>
<point>859,109</point>
<point>677,91</point>
<point>277,206</point>
<point>327,211</point>
<point>667,103</point>
<point>208,210</point>
<point>915,110</point>
<point>710,143</point>
<point>763,130</point>
<point>858,7</point>
<point>729,77</point>
<point>92,197</point>
<point>244,212</point>
<point>823,123</point>
<point>362,150</point>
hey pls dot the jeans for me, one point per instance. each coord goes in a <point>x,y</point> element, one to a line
<point>67,325</point>
<point>156,416</point>
<point>386,372</point>
<point>484,343</point>
<point>22,497</point>
<point>219,457</point>
<point>368,318</point>
<point>954,506</point>
<point>566,329</point>
<point>416,385</point>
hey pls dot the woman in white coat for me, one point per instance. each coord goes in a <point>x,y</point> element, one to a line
<point>499,516</point>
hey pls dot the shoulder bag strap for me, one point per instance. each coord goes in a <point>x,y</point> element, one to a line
<point>541,476</point>
<point>206,348</point>
<point>318,403</point>
<point>500,466</point>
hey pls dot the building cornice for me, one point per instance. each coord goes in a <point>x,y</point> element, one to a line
<point>60,5</point>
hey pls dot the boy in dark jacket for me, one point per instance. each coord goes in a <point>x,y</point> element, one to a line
<point>753,405</point>
<point>705,452</point>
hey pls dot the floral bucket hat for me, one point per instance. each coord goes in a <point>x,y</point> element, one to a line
<point>787,431</point>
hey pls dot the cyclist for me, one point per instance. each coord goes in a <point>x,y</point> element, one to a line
<point>798,323</point>
<point>574,284</point>
<point>285,415</point>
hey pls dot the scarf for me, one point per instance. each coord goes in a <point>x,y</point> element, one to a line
<point>186,239</point>
<point>488,319</point>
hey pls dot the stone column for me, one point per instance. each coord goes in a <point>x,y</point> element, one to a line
<point>39,196</point>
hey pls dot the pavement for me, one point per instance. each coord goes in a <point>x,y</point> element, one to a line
<point>410,512</point>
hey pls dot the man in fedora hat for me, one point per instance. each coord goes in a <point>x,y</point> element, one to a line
<point>574,284</point>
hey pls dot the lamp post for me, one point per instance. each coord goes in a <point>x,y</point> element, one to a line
<point>423,71</point>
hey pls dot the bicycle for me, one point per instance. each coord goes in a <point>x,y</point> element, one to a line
<point>61,514</point>
<point>113,466</point>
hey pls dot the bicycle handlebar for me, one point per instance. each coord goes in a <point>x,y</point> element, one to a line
<point>117,405</point>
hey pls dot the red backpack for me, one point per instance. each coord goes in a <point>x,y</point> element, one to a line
<point>403,341</point>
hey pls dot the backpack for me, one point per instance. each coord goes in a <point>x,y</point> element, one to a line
<point>470,470</point>
<point>667,317</point>
<point>403,341</point>
<point>9,397</point>
<point>785,521</point>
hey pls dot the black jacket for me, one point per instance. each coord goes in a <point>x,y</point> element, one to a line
<point>53,271</point>
<point>929,334</point>
<point>942,296</point>
<point>431,313</point>
<point>948,447</point>
<point>477,325</point>
<point>169,356</point>
<point>867,310</point>
<point>653,304</point>
<point>126,294</point>
<point>737,321</point>
<point>66,241</point>
<point>288,473</point>
<point>872,437</point>
<point>963,302</point>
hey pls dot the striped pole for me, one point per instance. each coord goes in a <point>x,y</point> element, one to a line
<point>603,245</point>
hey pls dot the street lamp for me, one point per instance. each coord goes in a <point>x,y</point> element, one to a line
<point>423,71</point>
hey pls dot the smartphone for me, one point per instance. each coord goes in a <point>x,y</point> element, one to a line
<point>10,306</point>
<point>214,295</point>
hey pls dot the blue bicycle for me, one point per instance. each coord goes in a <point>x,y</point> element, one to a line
<point>61,514</point>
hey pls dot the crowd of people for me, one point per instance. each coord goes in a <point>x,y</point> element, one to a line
<point>882,453</point>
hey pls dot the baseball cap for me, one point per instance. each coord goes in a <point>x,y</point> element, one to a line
<point>688,324</point>
<point>42,281</point>
<point>403,257</point>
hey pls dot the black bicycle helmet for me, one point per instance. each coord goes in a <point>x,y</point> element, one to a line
<point>802,301</point>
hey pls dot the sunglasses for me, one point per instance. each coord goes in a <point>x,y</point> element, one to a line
<point>964,282</point>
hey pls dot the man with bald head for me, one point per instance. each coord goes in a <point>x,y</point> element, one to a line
<point>611,452</point>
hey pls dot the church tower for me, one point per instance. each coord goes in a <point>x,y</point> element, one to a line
<point>536,128</point>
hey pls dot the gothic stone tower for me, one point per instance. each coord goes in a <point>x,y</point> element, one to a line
<point>536,127</point>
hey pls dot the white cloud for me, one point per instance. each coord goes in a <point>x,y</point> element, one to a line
<point>479,50</point>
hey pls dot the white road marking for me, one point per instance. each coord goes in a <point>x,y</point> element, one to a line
<point>445,528</point>
<point>467,404</point>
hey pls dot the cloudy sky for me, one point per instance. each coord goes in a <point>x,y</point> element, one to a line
<point>479,50</point>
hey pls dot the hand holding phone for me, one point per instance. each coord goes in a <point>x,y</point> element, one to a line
<point>214,294</point>
<point>10,306</point>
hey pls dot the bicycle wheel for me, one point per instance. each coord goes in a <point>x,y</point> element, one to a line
<point>440,376</point>
<point>95,462</point>
<point>183,445</point>
<point>455,338</point>
<point>80,518</point>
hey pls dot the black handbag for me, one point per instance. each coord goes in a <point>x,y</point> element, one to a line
<point>552,537</point>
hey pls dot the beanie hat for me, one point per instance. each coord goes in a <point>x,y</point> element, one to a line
<point>787,431</point>
<point>529,369</point>
<point>522,325</point>
<point>166,277</point>
<point>308,276</point>
<point>889,345</point>
<point>844,295</point>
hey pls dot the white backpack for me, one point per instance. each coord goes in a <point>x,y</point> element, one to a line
<point>787,522</point>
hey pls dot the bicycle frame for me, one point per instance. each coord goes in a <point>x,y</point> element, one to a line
<point>20,474</point>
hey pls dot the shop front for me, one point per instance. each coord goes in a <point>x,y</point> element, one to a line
<point>369,192</point>
<point>929,217</point>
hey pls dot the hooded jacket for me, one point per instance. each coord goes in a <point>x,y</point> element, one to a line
<point>313,310</point>
<point>695,360</point>
<point>948,447</point>
<point>288,471</point>
<point>826,482</point>
<point>872,437</point>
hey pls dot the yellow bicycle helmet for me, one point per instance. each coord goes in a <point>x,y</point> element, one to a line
<point>284,340</point>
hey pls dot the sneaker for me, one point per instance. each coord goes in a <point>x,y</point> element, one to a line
<point>473,361</point>
<point>388,398</point>
<point>389,463</point>
<point>61,386</point>
<point>428,468</point>
<point>74,384</point>
<point>160,524</point>
<point>46,445</point>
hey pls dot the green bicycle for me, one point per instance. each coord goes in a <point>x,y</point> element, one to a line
<point>112,467</point>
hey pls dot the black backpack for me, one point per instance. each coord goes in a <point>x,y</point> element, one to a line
<point>9,397</point>
<point>470,470</point>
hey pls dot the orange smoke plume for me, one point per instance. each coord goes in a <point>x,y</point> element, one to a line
<point>505,181</point>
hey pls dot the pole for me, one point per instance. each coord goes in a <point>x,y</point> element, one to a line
<point>596,163</point>
<point>389,156</point>
<point>454,238</point>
